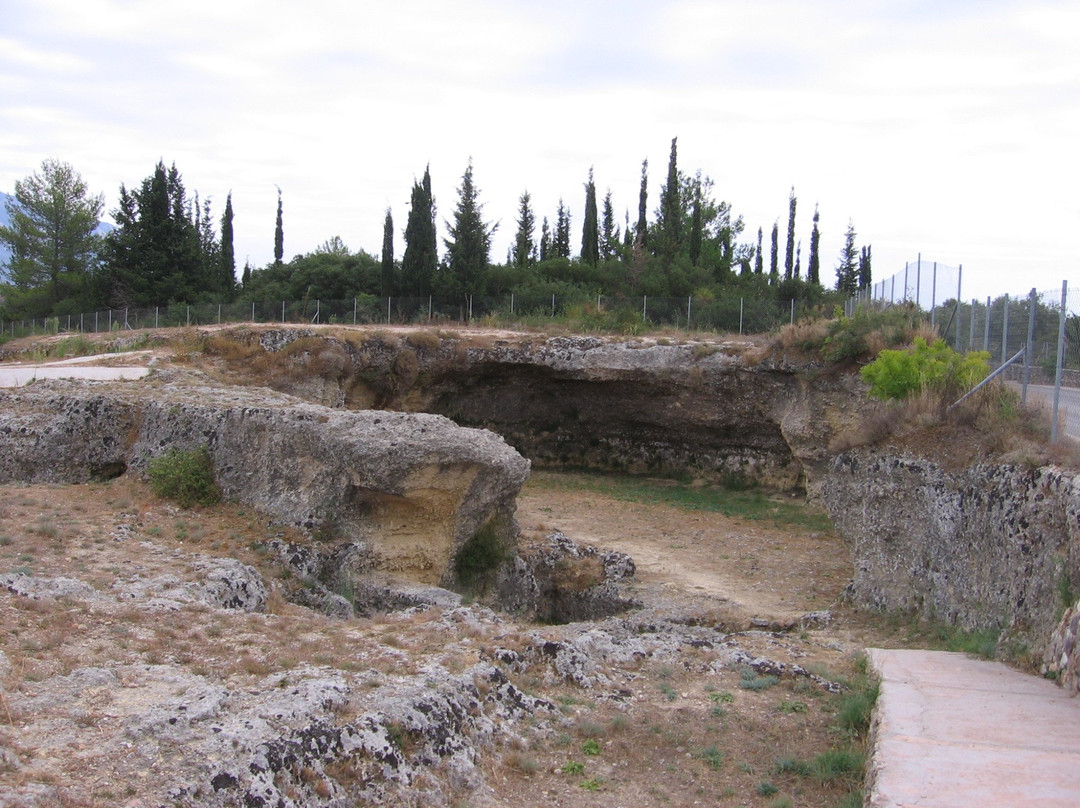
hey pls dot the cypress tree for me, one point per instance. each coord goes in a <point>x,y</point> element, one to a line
<point>387,275</point>
<point>671,211</point>
<point>759,259</point>
<point>789,256</point>
<point>774,270</point>
<point>813,268</point>
<point>157,255</point>
<point>590,231</point>
<point>469,245</point>
<point>865,279</point>
<point>847,279</point>
<point>560,244</point>
<point>696,232</point>
<point>421,255</point>
<point>545,240</point>
<point>524,250</point>
<point>279,233</point>
<point>609,232</point>
<point>228,255</point>
<point>641,231</point>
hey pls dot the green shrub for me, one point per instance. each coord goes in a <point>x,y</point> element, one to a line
<point>926,367</point>
<point>868,330</point>
<point>479,557</point>
<point>185,476</point>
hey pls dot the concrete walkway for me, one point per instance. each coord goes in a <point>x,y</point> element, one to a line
<point>16,375</point>
<point>968,733</point>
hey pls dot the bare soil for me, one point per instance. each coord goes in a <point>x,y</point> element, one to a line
<point>682,732</point>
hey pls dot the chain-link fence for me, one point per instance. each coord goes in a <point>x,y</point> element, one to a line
<point>732,314</point>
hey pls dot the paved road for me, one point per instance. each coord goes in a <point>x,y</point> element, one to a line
<point>958,732</point>
<point>1068,406</point>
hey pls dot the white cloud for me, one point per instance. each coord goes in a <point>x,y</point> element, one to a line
<point>933,126</point>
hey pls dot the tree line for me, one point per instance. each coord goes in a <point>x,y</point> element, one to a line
<point>168,247</point>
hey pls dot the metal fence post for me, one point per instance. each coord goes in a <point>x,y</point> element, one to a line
<point>688,299</point>
<point>740,316</point>
<point>1028,346</point>
<point>644,307</point>
<point>959,310</point>
<point>971,327</point>
<point>1060,356</point>
<point>986,331</point>
<point>933,298</point>
<point>1005,328</point>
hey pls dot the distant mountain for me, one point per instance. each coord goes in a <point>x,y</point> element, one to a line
<point>103,229</point>
<point>5,220</point>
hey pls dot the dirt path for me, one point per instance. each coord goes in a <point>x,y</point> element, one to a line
<point>750,569</point>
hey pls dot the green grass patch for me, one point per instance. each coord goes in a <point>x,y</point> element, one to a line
<point>749,504</point>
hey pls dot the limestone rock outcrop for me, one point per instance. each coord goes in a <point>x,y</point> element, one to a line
<point>413,487</point>
<point>714,410</point>
<point>983,547</point>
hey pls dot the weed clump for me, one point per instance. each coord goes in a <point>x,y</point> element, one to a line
<point>185,476</point>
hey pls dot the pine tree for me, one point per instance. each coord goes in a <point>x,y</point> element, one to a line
<point>524,250</point>
<point>609,231</point>
<point>759,259</point>
<point>865,279</point>
<point>245,278</point>
<point>642,228</point>
<point>469,245</point>
<point>798,259</point>
<point>847,280</point>
<point>54,251</point>
<point>560,243</point>
<point>671,211</point>
<point>813,268</point>
<point>227,252</point>
<point>789,256</point>
<point>545,240</point>
<point>388,275</point>
<point>590,231</point>
<point>421,253</point>
<point>774,270</point>
<point>279,233</point>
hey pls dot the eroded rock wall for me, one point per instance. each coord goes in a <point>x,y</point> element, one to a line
<point>703,409</point>
<point>989,546</point>
<point>413,488</point>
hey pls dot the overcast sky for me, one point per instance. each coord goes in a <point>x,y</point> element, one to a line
<point>946,127</point>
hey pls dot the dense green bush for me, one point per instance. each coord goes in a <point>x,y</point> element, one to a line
<point>185,476</point>
<point>926,367</point>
